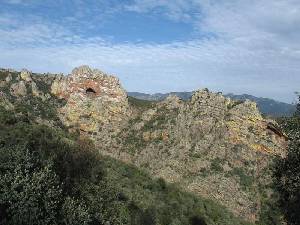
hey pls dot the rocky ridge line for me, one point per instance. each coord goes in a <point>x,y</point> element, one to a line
<point>211,145</point>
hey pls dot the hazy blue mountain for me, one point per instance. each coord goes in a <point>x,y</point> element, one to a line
<point>267,106</point>
<point>160,96</point>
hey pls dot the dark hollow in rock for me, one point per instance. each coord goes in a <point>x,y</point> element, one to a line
<point>90,91</point>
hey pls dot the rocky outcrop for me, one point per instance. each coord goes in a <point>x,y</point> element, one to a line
<point>229,150</point>
<point>26,75</point>
<point>210,145</point>
<point>96,104</point>
<point>18,89</point>
<point>22,84</point>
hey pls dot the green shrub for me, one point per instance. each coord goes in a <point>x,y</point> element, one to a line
<point>286,171</point>
<point>29,195</point>
<point>216,165</point>
<point>246,181</point>
<point>235,103</point>
<point>48,177</point>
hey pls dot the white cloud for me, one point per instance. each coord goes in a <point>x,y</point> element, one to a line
<point>33,31</point>
<point>256,49</point>
<point>181,66</point>
<point>176,10</point>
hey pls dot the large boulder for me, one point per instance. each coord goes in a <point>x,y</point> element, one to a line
<point>26,75</point>
<point>96,104</point>
<point>18,89</point>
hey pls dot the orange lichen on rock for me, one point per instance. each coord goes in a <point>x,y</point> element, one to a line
<point>95,100</point>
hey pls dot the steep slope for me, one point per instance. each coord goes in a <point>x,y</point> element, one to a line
<point>49,177</point>
<point>30,93</point>
<point>266,106</point>
<point>211,146</point>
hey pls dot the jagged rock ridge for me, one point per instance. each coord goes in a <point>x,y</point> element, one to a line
<point>267,106</point>
<point>210,145</point>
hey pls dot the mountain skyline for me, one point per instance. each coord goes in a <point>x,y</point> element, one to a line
<point>267,106</point>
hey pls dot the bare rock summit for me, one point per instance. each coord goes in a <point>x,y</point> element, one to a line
<point>96,104</point>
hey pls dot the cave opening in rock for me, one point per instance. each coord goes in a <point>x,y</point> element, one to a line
<point>90,91</point>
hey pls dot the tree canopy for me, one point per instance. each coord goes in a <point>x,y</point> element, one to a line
<point>287,171</point>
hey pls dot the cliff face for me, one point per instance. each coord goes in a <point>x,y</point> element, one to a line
<point>96,104</point>
<point>210,145</point>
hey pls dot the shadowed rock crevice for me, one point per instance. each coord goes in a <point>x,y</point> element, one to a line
<point>276,130</point>
<point>90,91</point>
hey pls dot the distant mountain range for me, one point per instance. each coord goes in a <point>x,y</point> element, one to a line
<point>266,106</point>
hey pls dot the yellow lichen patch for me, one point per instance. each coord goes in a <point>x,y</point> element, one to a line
<point>255,118</point>
<point>199,122</point>
<point>146,136</point>
<point>236,140</point>
<point>26,75</point>
<point>88,127</point>
<point>165,136</point>
<point>262,148</point>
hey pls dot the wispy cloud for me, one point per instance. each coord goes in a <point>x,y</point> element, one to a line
<point>254,47</point>
<point>184,10</point>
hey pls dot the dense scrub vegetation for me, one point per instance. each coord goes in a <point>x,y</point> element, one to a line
<point>49,177</point>
<point>287,171</point>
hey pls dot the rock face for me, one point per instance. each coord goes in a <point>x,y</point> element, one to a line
<point>22,85</point>
<point>18,89</point>
<point>96,104</point>
<point>229,146</point>
<point>210,145</point>
<point>26,75</point>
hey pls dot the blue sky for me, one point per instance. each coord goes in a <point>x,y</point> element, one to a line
<point>239,46</point>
